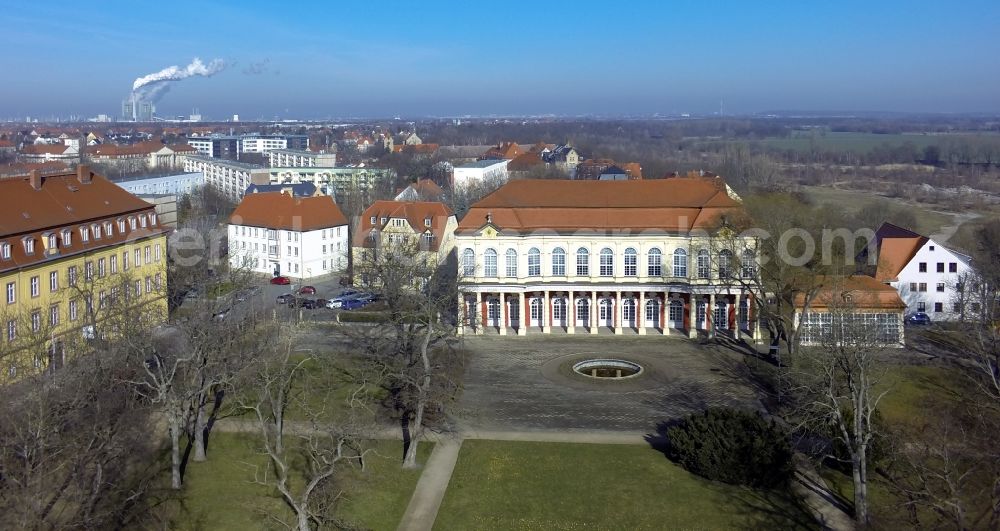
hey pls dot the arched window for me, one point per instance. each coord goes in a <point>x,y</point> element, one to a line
<point>749,266</point>
<point>653,312</point>
<point>631,262</point>
<point>558,262</point>
<point>583,262</point>
<point>680,263</point>
<point>725,263</point>
<point>490,263</point>
<point>468,263</point>
<point>704,264</point>
<point>654,267</point>
<point>511,263</point>
<point>607,262</point>
<point>534,262</point>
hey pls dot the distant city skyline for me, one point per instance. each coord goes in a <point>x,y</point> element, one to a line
<point>432,59</point>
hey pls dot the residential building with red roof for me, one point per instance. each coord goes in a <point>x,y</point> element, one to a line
<point>928,275</point>
<point>49,152</point>
<point>603,257</point>
<point>280,234</point>
<point>74,250</point>
<point>852,310</point>
<point>423,231</point>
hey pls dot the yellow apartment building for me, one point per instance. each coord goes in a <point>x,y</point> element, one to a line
<point>75,250</point>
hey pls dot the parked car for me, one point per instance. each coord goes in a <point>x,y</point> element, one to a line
<point>281,281</point>
<point>322,303</point>
<point>918,319</point>
<point>339,300</point>
<point>307,290</point>
<point>354,303</point>
<point>284,299</point>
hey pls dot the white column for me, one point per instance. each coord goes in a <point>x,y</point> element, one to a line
<point>593,312</point>
<point>640,314</point>
<point>546,328</point>
<point>522,320</point>
<point>754,318</point>
<point>617,312</point>
<point>710,314</point>
<point>692,316</point>
<point>461,314</point>
<point>503,315</point>
<point>478,313</point>
<point>665,314</point>
<point>571,314</point>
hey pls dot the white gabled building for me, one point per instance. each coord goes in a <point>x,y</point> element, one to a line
<point>278,234</point>
<point>927,274</point>
<point>490,169</point>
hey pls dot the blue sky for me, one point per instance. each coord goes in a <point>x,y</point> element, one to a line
<point>323,59</point>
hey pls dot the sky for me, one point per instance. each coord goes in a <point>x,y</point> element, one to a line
<point>382,59</point>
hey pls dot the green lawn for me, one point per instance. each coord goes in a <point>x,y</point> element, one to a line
<point>928,221</point>
<point>912,388</point>
<point>562,486</point>
<point>220,493</point>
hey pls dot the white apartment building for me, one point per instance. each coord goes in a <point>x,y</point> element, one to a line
<point>180,184</point>
<point>294,158</point>
<point>262,144</point>
<point>229,177</point>
<point>603,256</point>
<point>278,234</point>
<point>927,275</point>
<point>479,171</point>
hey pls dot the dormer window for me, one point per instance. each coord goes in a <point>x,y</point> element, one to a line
<point>67,237</point>
<point>373,220</point>
<point>427,222</point>
<point>97,231</point>
<point>383,220</point>
<point>29,245</point>
<point>109,228</point>
<point>84,234</point>
<point>5,251</point>
<point>50,240</point>
<point>121,225</point>
<point>142,221</point>
<point>152,218</point>
<point>131,222</point>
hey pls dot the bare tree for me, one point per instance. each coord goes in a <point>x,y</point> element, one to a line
<point>836,385</point>
<point>410,349</point>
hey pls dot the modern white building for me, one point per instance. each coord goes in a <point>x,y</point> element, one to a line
<point>278,234</point>
<point>294,158</point>
<point>180,184</point>
<point>229,177</point>
<point>256,143</point>
<point>332,181</point>
<point>490,169</point>
<point>927,275</point>
<point>604,256</point>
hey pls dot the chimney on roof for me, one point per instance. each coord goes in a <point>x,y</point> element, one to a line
<point>35,179</point>
<point>83,174</point>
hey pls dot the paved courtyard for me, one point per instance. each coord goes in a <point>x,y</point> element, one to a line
<point>525,383</point>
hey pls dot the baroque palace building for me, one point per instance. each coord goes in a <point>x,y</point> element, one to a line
<point>618,257</point>
<point>73,248</point>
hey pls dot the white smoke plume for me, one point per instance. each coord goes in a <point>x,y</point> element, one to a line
<point>152,86</point>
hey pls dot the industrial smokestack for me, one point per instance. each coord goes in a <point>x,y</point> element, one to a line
<point>152,87</point>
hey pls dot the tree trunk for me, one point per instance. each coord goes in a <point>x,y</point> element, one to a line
<point>199,432</point>
<point>303,519</point>
<point>410,459</point>
<point>860,486</point>
<point>175,452</point>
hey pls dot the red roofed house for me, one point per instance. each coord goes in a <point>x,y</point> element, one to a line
<point>276,233</point>
<point>422,190</point>
<point>927,275</point>
<point>602,257</point>
<point>49,152</point>
<point>428,225</point>
<point>853,310</point>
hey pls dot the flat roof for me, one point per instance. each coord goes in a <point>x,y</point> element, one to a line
<point>483,163</point>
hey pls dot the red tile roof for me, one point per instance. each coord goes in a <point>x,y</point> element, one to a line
<point>855,292</point>
<point>896,247</point>
<point>674,205</point>
<point>277,210</point>
<point>44,149</point>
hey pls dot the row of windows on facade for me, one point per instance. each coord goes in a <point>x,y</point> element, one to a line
<point>394,238</point>
<point>52,241</point>
<point>921,287</point>
<point>606,263</point>
<point>956,307</point>
<point>273,249</point>
<point>398,222</point>
<point>272,234</point>
<point>152,284</point>
<point>952,266</point>
<point>88,271</point>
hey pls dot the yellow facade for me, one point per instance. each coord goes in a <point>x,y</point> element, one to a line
<point>44,308</point>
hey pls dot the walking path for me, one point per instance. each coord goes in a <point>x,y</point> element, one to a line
<point>427,496</point>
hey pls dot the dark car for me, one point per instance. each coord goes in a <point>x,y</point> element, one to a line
<point>281,281</point>
<point>356,302</point>
<point>918,319</point>
<point>284,299</point>
<point>308,304</point>
<point>307,290</point>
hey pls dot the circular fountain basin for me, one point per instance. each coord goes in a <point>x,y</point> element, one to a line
<point>608,369</point>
